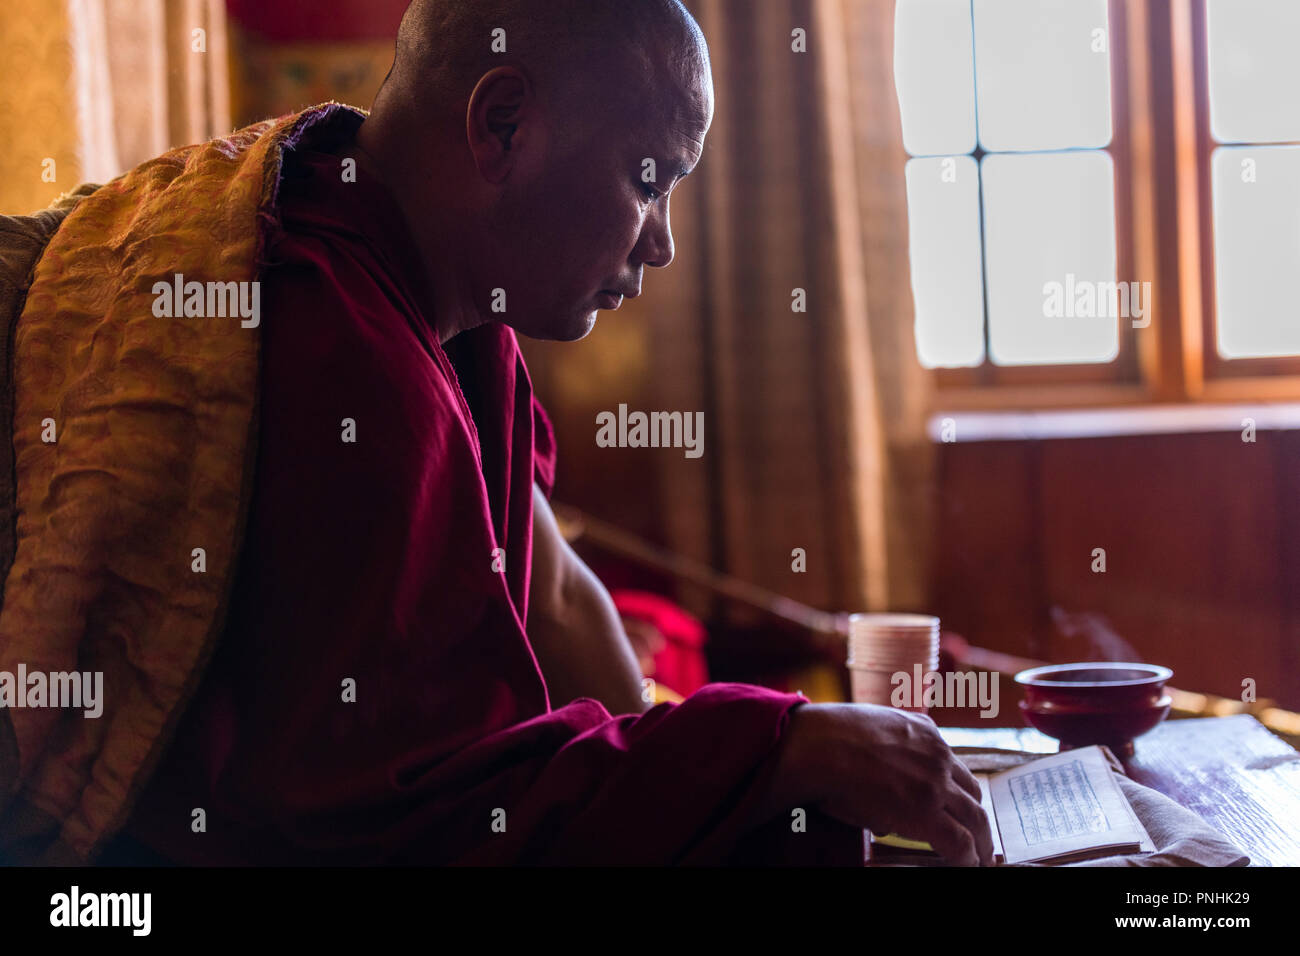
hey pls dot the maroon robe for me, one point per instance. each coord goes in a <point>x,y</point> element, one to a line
<point>372,561</point>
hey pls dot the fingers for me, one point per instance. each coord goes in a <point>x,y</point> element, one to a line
<point>971,815</point>
<point>953,840</point>
<point>965,779</point>
<point>959,832</point>
<point>937,749</point>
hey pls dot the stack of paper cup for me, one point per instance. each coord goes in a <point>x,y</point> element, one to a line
<point>882,645</point>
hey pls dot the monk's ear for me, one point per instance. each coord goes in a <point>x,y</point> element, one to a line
<point>498,107</point>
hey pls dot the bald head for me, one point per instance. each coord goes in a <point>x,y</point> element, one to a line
<point>570,48</point>
<point>542,137</point>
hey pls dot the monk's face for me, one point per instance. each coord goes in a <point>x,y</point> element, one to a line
<point>591,210</point>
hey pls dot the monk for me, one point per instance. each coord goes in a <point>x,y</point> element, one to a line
<point>416,668</point>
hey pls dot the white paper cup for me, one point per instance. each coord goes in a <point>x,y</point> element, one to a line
<point>893,665</point>
<point>889,621</point>
<point>885,644</point>
<point>862,651</point>
<point>871,687</point>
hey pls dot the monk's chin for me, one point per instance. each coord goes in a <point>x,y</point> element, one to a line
<point>568,330</point>
<point>580,330</point>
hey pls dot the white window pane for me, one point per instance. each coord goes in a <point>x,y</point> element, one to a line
<point>1254,70</point>
<point>1042,71</point>
<point>1257,250</point>
<point>934,71</point>
<point>1049,236</point>
<point>943,216</point>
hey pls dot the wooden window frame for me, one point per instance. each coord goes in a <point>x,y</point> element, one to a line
<point>1123,368</point>
<point>1161,148</point>
<point>1224,376</point>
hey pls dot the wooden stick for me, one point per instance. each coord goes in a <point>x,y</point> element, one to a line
<point>831,630</point>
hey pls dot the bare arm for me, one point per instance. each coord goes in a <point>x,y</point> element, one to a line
<point>573,625</point>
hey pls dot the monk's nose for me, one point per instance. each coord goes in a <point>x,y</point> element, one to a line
<point>658,240</point>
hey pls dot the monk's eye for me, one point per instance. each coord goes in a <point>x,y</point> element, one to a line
<point>651,193</point>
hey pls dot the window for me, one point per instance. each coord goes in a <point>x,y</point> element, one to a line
<point>1252,72</point>
<point>1006,110</point>
<point>1103,198</point>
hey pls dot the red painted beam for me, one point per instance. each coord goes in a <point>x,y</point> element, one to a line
<point>318,21</point>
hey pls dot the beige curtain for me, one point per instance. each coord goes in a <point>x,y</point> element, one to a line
<point>816,419</point>
<point>150,75</point>
<point>100,86</point>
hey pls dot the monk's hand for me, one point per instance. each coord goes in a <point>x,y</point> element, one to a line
<point>885,770</point>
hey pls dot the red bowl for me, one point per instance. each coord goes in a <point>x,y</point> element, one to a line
<point>1102,702</point>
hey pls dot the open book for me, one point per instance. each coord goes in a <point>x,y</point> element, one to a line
<point>1057,809</point>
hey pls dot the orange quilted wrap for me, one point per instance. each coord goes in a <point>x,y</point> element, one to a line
<point>156,422</point>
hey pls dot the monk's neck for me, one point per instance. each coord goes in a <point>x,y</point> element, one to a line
<point>444,277</point>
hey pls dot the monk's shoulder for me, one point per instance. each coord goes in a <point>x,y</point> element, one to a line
<point>334,326</point>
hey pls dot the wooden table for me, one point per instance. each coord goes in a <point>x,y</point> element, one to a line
<point>1233,773</point>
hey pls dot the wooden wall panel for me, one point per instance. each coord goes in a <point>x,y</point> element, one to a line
<point>1288,529</point>
<point>1189,527</point>
<point>986,553</point>
<point>1200,537</point>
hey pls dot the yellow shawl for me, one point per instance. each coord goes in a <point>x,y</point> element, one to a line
<point>153,422</point>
